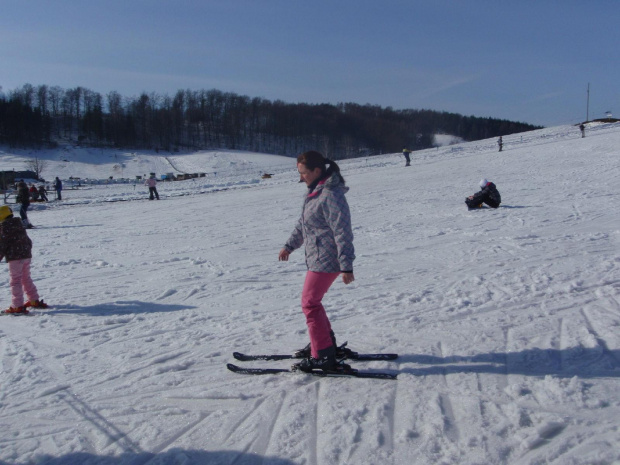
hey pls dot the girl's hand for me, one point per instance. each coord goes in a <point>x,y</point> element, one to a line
<point>348,278</point>
<point>283,255</point>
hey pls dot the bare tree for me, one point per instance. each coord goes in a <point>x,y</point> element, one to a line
<point>36,165</point>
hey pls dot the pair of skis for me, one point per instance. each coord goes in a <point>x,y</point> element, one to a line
<point>343,352</point>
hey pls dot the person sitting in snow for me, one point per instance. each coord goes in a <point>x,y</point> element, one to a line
<point>34,193</point>
<point>43,193</point>
<point>488,194</point>
<point>16,246</point>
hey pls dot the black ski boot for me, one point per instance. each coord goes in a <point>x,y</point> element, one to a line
<point>326,362</point>
<point>302,353</point>
<point>306,351</point>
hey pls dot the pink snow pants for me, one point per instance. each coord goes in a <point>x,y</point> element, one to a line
<point>21,282</point>
<point>316,286</point>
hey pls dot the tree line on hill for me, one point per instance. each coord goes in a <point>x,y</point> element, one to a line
<point>39,116</point>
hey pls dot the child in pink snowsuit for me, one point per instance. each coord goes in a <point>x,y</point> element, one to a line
<point>16,246</point>
<point>325,229</point>
<point>152,185</point>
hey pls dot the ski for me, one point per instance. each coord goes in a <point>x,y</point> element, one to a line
<point>342,353</point>
<point>273,371</point>
<point>352,356</point>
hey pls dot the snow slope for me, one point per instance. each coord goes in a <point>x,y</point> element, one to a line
<point>91,164</point>
<point>507,321</point>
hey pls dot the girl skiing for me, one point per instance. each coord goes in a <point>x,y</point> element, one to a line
<point>16,246</point>
<point>325,228</point>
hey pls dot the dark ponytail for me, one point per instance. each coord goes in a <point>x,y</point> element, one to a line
<point>313,159</point>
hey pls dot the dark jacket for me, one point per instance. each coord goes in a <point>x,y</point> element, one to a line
<point>14,242</point>
<point>23,194</point>
<point>489,195</point>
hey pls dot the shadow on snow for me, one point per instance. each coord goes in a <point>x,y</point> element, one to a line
<point>116,308</point>
<point>574,361</point>
<point>513,206</point>
<point>172,457</point>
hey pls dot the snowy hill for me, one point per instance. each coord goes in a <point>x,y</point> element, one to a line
<point>506,321</point>
<point>97,164</point>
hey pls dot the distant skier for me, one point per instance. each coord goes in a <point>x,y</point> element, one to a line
<point>16,247</point>
<point>325,229</point>
<point>500,143</point>
<point>406,153</point>
<point>23,198</point>
<point>58,188</point>
<point>152,183</point>
<point>488,194</point>
<point>583,130</point>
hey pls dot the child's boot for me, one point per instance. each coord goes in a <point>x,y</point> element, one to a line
<point>36,304</point>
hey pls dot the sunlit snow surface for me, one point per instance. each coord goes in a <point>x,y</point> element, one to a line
<point>507,321</point>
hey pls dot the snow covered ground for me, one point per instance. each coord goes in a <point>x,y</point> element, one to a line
<point>507,321</point>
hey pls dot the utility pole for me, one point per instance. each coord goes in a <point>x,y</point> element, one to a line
<point>588,105</point>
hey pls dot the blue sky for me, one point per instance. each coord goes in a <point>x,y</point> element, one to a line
<point>523,60</point>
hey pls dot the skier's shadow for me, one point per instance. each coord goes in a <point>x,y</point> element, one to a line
<point>484,207</point>
<point>176,455</point>
<point>71,226</point>
<point>565,363</point>
<point>116,308</point>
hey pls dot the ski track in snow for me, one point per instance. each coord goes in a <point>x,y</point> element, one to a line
<point>506,321</point>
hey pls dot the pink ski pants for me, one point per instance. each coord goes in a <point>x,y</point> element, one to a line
<point>21,282</point>
<point>316,286</point>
